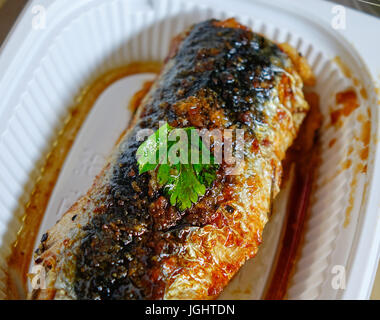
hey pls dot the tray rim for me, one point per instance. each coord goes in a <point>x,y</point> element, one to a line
<point>369,246</point>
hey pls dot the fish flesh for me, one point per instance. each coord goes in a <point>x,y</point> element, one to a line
<point>123,239</point>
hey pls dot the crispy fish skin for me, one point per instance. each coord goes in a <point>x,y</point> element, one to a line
<point>123,239</point>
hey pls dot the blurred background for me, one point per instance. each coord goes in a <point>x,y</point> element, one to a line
<point>10,9</point>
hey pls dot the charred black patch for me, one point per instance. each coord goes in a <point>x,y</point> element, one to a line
<point>128,240</point>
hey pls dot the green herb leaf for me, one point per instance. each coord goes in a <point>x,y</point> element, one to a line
<point>182,181</point>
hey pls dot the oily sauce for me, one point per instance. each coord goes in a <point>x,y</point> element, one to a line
<point>19,260</point>
<point>348,101</point>
<point>304,154</point>
<point>303,150</point>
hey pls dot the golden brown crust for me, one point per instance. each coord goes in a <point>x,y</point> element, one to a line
<point>218,234</point>
<point>300,63</point>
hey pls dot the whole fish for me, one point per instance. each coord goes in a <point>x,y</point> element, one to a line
<point>124,239</point>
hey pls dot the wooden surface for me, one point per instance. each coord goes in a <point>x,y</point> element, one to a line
<point>376,287</point>
<point>9,11</point>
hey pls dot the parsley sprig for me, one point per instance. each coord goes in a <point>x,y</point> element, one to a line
<point>183,181</point>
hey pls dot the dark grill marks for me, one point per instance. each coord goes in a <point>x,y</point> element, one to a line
<point>234,70</point>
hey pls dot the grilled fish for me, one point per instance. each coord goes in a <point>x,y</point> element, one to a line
<point>123,239</point>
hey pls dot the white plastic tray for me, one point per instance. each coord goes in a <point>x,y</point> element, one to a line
<point>42,70</point>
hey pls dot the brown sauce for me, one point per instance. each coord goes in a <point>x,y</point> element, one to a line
<point>139,96</point>
<point>346,164</point>
<point>332,142</point>
<point>304,154</point>
<point>360,168</point>
<point>363,93</point>
<point>19,260</point>
<point>348,101</point>
<point>343,67</point>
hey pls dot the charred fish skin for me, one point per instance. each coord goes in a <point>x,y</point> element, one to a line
<point>133,243</point>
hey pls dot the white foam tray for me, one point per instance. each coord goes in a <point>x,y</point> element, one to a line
<point>42,70</point>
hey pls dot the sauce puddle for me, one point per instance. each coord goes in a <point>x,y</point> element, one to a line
<point>22,251</point>
<point>304,154</point>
